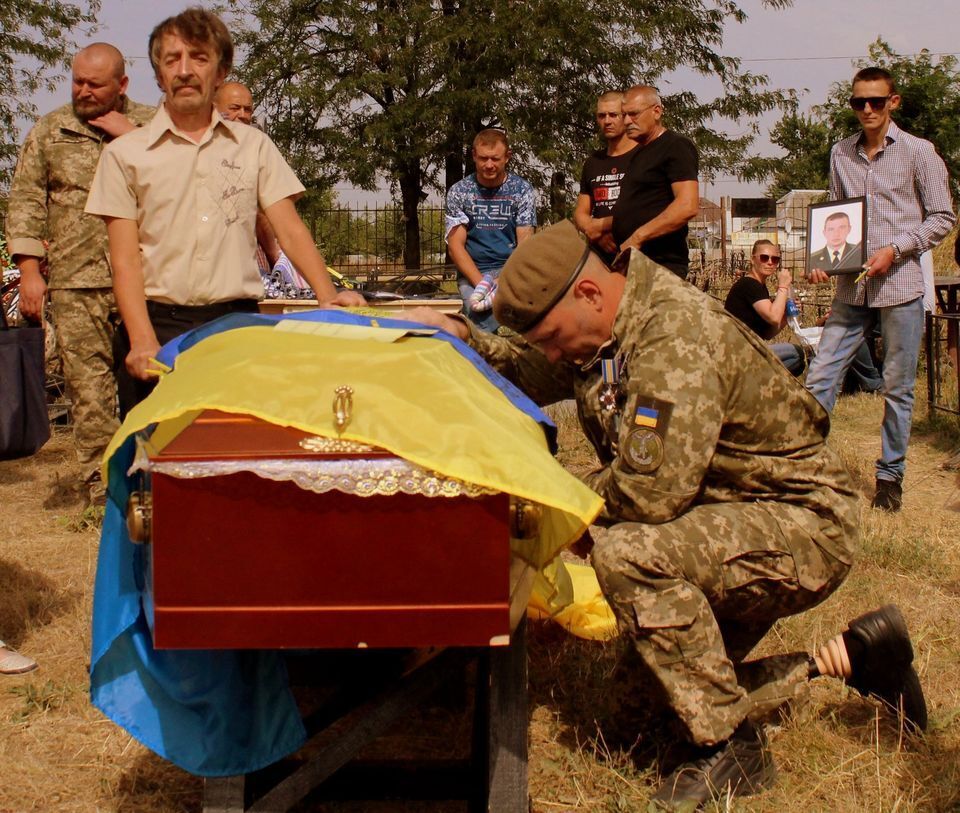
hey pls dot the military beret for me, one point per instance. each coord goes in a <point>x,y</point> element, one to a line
<point>537,275</point>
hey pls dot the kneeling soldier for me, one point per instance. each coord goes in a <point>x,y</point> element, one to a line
<point>726,509</point>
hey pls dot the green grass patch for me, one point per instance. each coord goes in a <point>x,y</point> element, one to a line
<point>890,545</point>
<point>39,699</point>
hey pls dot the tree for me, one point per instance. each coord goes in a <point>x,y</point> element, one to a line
<point>806,142</point>
<point>34,42</point>
<point>396,89</point>
<point>930,108</point>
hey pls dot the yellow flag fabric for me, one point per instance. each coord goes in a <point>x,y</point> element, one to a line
<point>586,615</point>
<point>418,398</point>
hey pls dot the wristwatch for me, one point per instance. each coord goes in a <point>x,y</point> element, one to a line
<point>897,256</point>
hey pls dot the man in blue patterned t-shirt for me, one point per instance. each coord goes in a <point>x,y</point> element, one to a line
<point>487,214</point>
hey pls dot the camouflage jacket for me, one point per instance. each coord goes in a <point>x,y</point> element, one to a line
<point>49,191</point>
<point>697,411</point>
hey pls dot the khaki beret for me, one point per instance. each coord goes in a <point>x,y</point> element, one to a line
<point>538,274</point>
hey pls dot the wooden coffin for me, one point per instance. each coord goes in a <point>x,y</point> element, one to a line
<point>239,560</point>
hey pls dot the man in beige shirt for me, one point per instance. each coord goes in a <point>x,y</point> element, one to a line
<point>180,198</point>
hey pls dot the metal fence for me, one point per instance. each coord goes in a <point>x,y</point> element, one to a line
<point>366,243</point>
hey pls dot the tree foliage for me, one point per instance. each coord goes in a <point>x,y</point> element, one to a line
<point>35,42</point>
<point>930,108</point>
<point>396,89</point>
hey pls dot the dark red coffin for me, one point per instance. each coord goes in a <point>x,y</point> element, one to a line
<point>240,561</point>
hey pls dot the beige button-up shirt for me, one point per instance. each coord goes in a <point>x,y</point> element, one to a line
<point>195,205</point>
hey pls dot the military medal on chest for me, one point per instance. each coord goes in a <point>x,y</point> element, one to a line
<point>610,372</point>
<point>611,390</point>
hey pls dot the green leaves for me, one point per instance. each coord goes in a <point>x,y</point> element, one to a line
<point>395,90</point>
<point>402,80</point>
<point>930,108</point>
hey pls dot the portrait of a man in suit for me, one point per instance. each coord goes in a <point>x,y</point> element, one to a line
<point>838,254</point>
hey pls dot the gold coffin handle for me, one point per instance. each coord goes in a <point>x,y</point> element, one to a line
<point>525,518</point>
<point>342,407</point>
<point>139,510</point>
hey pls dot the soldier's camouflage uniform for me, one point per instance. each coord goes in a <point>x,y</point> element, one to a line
<point>49,192</point>
<point>726,509</point>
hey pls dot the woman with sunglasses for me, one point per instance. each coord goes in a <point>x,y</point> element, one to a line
<point>749,300</point>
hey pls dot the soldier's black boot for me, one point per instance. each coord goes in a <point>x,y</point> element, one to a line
<point>738,767</point>
<point>881,659</point>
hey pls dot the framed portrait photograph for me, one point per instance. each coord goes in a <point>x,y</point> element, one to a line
<point>837,236</point>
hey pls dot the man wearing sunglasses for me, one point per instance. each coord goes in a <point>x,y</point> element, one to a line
<point>660,192</point>
<point>602,174</point>
<point>909,211</point>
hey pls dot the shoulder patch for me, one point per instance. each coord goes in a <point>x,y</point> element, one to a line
<point>643,450</point>
<point>651,413</point>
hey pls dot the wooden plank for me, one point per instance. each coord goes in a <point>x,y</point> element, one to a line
<point>414,779</point>
<point>360,711</point>
<point>359,727</point>
<point>224,794</point>
<point>507,726</point>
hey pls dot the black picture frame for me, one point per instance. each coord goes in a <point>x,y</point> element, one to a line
<point>851,254</point>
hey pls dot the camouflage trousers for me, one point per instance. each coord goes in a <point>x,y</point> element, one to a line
<point>83,321</point>
<point>697,594</point>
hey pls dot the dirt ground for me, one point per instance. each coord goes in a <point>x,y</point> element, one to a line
<point>835,751</point>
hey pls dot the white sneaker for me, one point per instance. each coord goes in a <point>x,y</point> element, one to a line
<point>13,663</point>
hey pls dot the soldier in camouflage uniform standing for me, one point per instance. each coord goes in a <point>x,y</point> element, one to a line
<point>726,509</point>
<point>49,191</point>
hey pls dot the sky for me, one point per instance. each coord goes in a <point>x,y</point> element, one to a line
<point>806,47</point>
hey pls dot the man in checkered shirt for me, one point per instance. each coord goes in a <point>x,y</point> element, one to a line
<point>909,210</point>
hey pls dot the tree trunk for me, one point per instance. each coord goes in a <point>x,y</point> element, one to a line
<point>453,161</point>
<point>558,197</point>
<point>411,190</point>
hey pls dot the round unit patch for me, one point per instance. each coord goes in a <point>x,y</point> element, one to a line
<point>643,450</point>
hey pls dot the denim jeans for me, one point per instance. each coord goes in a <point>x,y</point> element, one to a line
<point>484,319</point>
<point>901,328</point>
<point>790,355</point>
<point>863,375</point>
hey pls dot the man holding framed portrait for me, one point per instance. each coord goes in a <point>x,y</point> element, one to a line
<point>907,203</point>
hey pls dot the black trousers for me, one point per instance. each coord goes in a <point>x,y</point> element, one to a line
<point>169,321</point>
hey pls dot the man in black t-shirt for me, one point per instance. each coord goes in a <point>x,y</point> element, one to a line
<point>660,193</point>
<point>602,172</point>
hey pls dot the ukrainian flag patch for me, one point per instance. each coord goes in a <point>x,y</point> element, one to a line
<point>651,413</point>
<point>646,416</point>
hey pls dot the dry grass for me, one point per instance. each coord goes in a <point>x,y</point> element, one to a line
<point>835,750</point>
